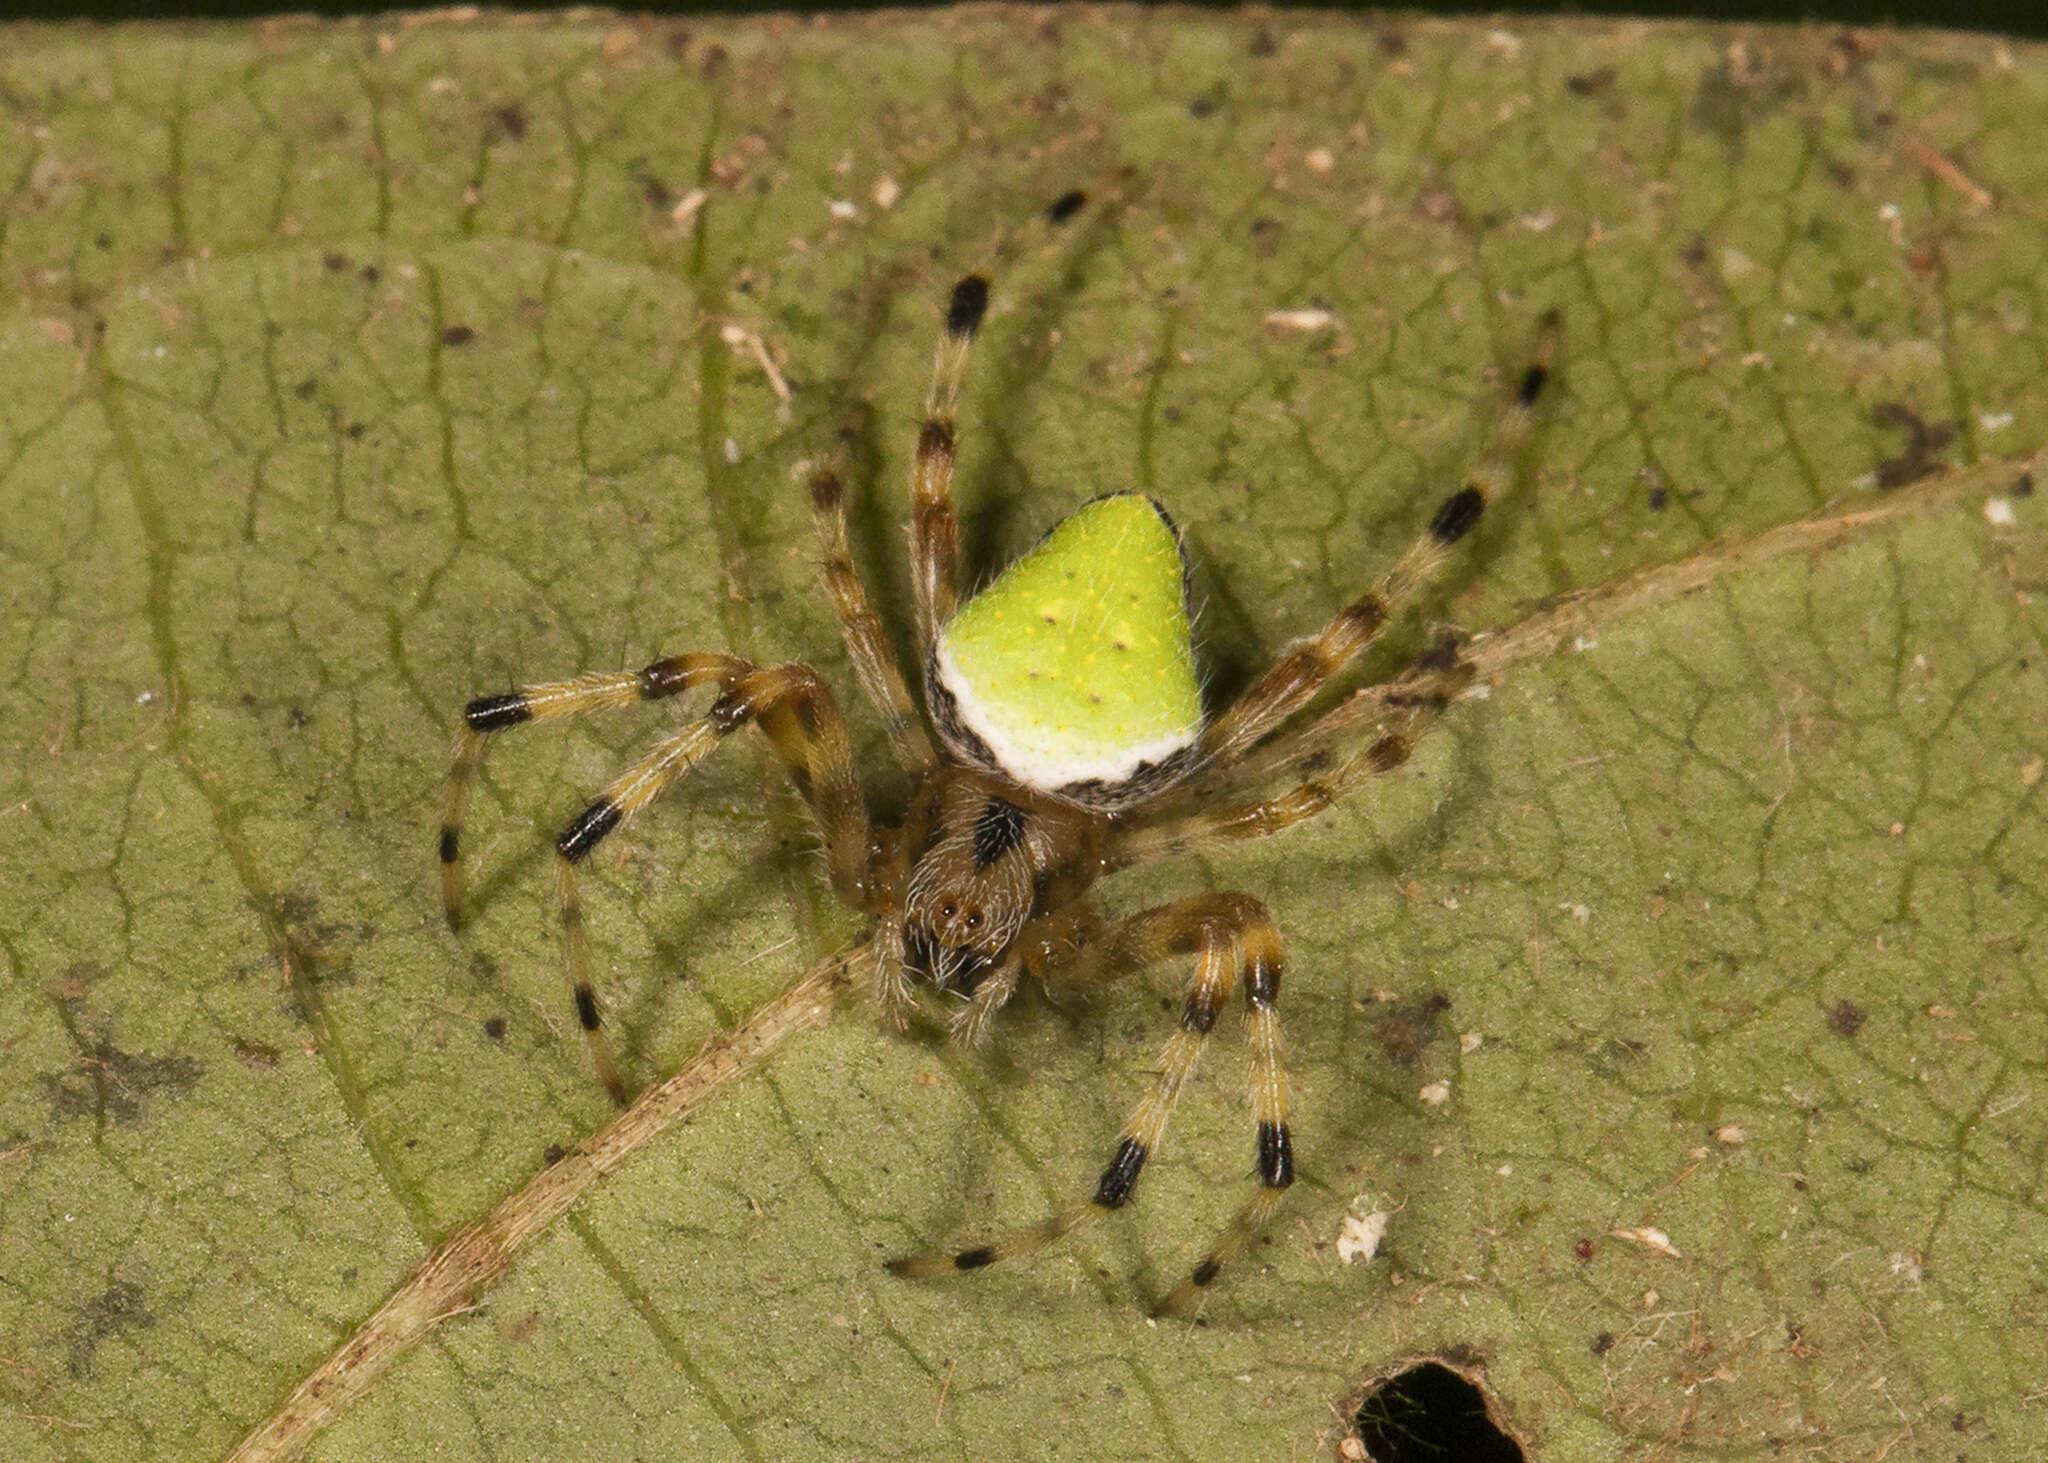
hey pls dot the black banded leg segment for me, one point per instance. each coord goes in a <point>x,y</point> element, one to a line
<point>934,525</point>
<point>1294,680</point>
<point>796,711</point>
<point>1231,937</point>
<point>1275,1155</point>
<point>867,642</point>
<point>596,691</point>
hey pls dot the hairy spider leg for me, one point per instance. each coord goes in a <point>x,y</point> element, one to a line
<point>1296,677</point>
<point>867,642</point>
<point>549,701</point>
<point>792,706</point>
<point>934,525</point>
<point>1414,705</point>
<point>1229,935</point>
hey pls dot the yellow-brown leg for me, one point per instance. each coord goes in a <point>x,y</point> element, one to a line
<point>866,640</point>
<point>796,711</point>
<point>595,691</point>
<point>934,526</point>
<point>1297,676</point>
<point>1228,934</point>
<point>1413,707</point>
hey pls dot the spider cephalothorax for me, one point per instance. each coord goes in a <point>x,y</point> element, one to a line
<point>1071,742</point>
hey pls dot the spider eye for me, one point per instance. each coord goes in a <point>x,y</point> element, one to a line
<point>948,910</point>
<point>973,921</point>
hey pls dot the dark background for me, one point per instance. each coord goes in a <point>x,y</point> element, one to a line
<point>2015,17</point>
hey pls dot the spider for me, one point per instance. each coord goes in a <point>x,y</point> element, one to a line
<point>1067,739</point>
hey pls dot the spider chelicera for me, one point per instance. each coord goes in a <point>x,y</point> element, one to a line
<point>1068,741</point>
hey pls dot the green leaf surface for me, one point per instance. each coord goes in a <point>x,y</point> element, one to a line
<point>350,370</point>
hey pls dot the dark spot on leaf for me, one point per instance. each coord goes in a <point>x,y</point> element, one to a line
<point>1262,43</point>
<point>1406,1027</point>
<point>1660,499</point>
<point>116,1309</point>
<point>555,1153</point>
<point>494,1028</point>
<point>659,196</point>
<point>1592,83</point>
<point>1923,442</point>
<point>457,335</point>
<point>2023,485</point>
<point>334,261</point>
<point>297,718</point>
<point>1847,1018</point>
<point>255,1053</point>
<point>306,389</point>
<point>371,274</point>
<point>1603,1343</point>
<point>116,1083</point>
<point>508,123</point>
<point>1583,1250</point>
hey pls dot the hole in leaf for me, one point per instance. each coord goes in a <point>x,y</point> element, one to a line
<point>1431,1413</point>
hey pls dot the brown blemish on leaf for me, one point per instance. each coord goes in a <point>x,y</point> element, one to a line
<point>508,123</point>
<point>1407,1027</point>
<point>115,1083</point>
<point>1923,441</point>
<point>1596,82</point>
<point>255,1053</point>
<point>114,1310</point>
<point>1847,1018</point>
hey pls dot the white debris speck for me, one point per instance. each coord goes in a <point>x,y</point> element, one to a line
<point>1504,42</point>
<point>1320,160</point>
<point>1994,421</point>
<point>1307,319</point>
<point>732,451</point>
<point>1889,212</point>
<point>1651,1237</point>
<point>843,208</point>
<point>1539,223</point>
<point>685,211</point>
<point>1578,912</point>
<point>1998,512</point>
<point>1436,1094</point>
<point>1506,1170</point>
<point>1908,1266</point>
<point>1581,644</point>
<point>886,192</point>
<point>1470,1041</point>
<point>1731,1134</point>
<point>147,698</point>
<point>1358,1238</point>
